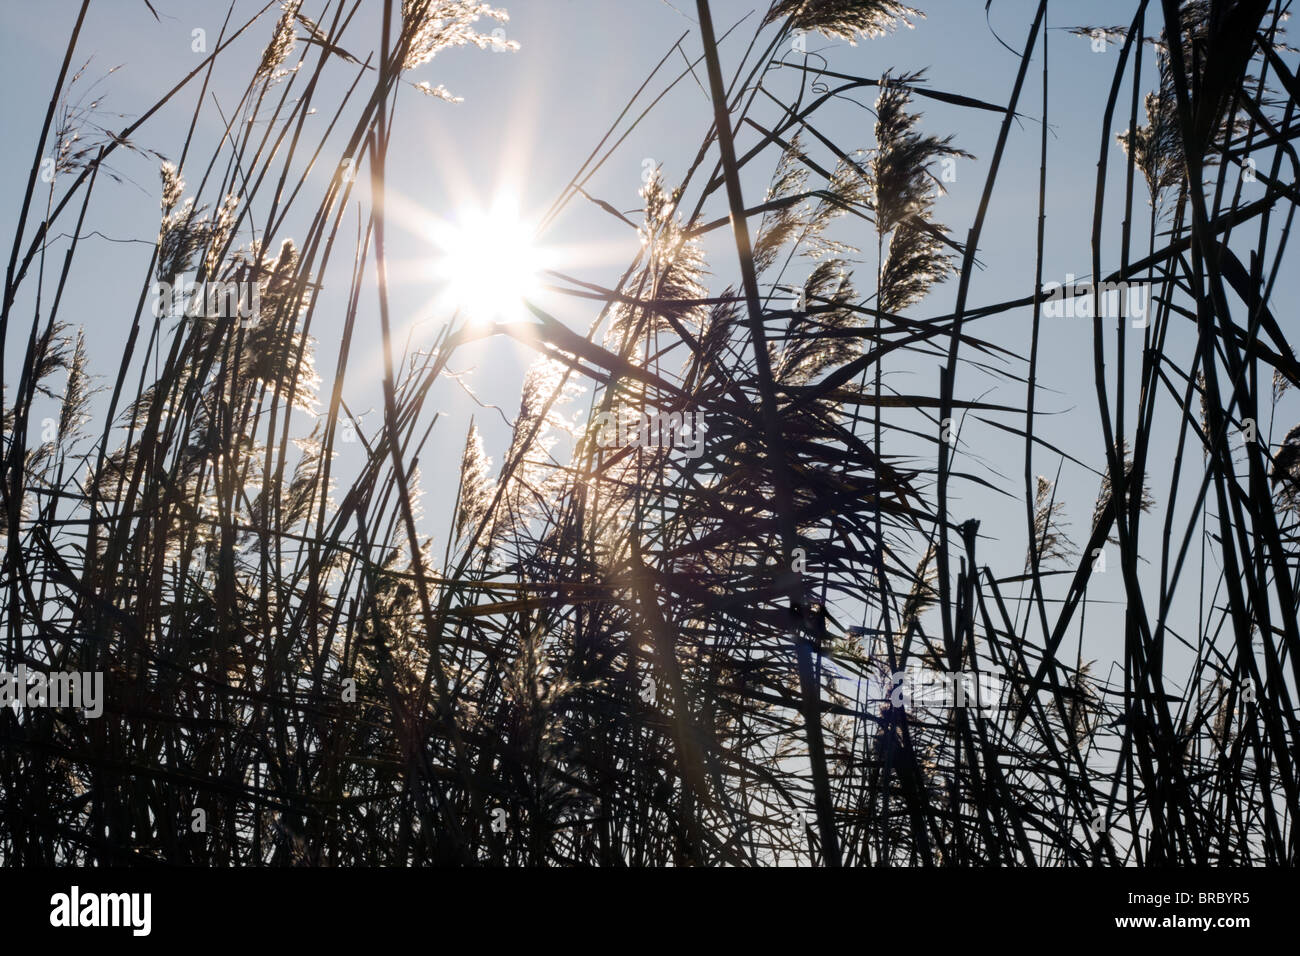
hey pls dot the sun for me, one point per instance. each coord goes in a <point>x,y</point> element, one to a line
<point>487,262</point>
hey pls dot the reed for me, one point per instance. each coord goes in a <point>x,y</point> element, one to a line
<point>625,655</point>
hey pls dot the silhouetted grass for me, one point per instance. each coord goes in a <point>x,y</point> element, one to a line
<point>625,655</point>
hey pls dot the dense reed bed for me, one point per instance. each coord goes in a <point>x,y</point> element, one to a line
<point>628,655</point>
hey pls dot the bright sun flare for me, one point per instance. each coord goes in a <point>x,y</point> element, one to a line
<point>488,263</point>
